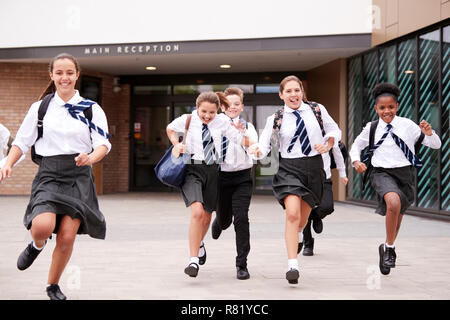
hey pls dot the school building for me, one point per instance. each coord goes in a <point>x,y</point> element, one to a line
<point>146,62</point>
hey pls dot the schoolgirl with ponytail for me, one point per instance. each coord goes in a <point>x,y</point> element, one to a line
<point>63,197</point>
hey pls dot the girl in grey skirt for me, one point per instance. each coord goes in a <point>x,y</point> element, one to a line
<point>199,190</point>
<point>393,159</point>
<point>298,183</point>
<point>63,197</point>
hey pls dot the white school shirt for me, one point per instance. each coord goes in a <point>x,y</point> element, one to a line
<point>389,154</point>
<point>236,158</point>
<point>62,133</point>
<point>218,127</point>
<point>338,159</point>
<point>4,138</point>
<point>289,126</point>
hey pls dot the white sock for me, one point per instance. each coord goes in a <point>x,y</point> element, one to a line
<point>201,251</point>
<point>34,246</point>
<point>389,246</point>
<point>193,260</point>
<point>293,264</point>
<point>300,236</point>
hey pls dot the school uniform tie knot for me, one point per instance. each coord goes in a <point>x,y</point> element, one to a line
<point>209,151</point>
<point>301,134</point>
<point>76,111</point>
<point>412,158</point>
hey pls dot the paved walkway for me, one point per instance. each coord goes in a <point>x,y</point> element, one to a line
<point>146,250</point>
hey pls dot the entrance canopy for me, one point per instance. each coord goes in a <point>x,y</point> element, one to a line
<point>242,55</point>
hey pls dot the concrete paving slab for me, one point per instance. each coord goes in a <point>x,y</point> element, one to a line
<point>146,251</point>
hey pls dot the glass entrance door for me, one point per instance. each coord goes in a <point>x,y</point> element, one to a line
<point>150,142</point>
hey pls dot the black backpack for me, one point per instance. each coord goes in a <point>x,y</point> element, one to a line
<point>36,158</point>
<point>368,163</point>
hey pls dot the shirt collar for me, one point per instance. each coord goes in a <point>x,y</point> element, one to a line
<point>302,107</point>
<point>74,100</point>
<point>394,122</point>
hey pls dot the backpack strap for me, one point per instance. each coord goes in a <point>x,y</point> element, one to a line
<point>277,120</point>
<point>419,143</point>
<point>40,125</point>
<point>318,113</point>
<point>41,113</point>
<point>186,127</point>
<point>373,128</point>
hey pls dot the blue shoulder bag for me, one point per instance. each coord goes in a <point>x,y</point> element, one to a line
<point>170,170</point>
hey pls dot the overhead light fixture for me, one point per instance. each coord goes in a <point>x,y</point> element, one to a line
<point>150,68</point>
<point>225,66</point>
<point>409,71</point>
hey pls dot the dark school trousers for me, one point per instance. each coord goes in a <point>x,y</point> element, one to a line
<point>233,200</point>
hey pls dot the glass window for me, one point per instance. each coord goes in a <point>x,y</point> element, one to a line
<point>199,88</point>
<point>387,69</point>
<point>151,90</point>
<point>445,116</point>
<point>268,88</point>
<point>247,88</point>
<point>427,178</point>
<point>150,143</point>
<point>370,67</point>
<point>91,88</point>
<point>407,71</point>
<point>354,122</point>
<point>266,168</point>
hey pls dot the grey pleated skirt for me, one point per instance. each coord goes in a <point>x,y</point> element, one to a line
<point>65,189</point>
<point>200,185</point>
<point>303,177</point>
<point>398,180</point>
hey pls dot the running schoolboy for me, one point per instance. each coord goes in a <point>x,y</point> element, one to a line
<point>235,184</point>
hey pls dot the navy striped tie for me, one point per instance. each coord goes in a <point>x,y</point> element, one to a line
<point>415,161</point>
<point>225,143</point>
<point>209,151</point>
<point>75,111</point>
<point>383,137</point>
<point>301,134</point>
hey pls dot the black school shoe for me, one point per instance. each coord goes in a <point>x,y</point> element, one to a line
<point>242,273</point>
<point>317,225</point>
<point>192,269</point>
<point>216,230</point>
<point>383,269</point>
<point>309,248</point>
<point>202,259</point>
<point>54,292</point>
<point>27,257</point>
<point>389,257</point>
<point>292,276</point>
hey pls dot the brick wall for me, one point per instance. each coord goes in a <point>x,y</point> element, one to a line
<point>22,83</point>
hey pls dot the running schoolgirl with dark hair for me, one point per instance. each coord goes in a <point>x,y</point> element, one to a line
<point>63,196</point>
<point>393,159</point>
